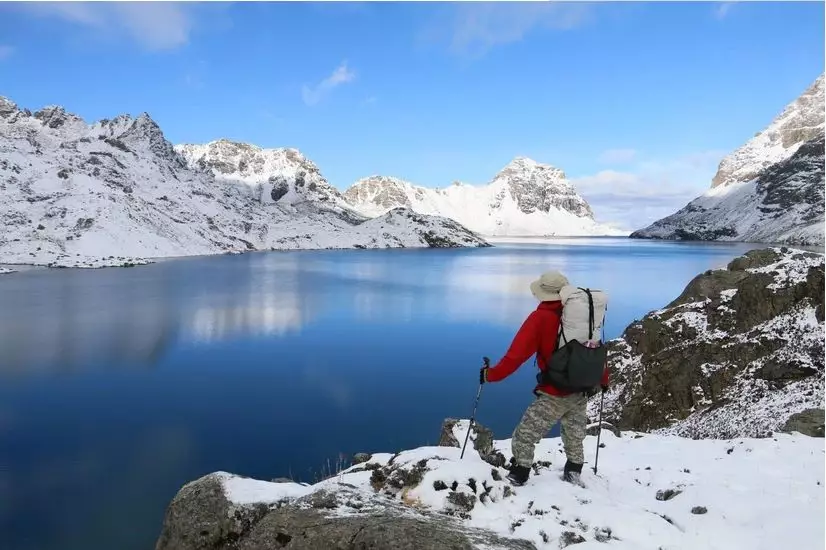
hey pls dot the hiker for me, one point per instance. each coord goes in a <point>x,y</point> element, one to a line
<point>540,335</point>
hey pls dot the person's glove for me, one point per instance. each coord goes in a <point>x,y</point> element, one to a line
<point>483,372</point>
<point>604,388</point>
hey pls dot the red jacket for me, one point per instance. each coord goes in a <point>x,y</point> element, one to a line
<point>537,335</point>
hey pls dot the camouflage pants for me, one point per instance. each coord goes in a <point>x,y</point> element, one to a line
<point>541,416</point>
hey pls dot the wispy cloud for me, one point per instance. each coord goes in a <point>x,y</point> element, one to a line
<point>370,100</point>
<point>341,75</point>
<point>649,189</point>
<point>155,26</point>
<point>473,28</point>
<point>6,51</point>
<point>617,156</point>
<point>721,9</point>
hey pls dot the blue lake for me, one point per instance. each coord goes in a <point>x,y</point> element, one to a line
<point>117,386</point>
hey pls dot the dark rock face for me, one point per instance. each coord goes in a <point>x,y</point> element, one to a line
<point>809,422</point>
<point>735,355</point>
<point>201,518</point>
<point>794,182</point>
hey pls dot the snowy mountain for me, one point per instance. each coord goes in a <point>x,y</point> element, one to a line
<point>116,192</point>
<point>653,492</point>
<point>525,198</point>
<point>769,190</point>
<point>738,354</point>
<point>280,175</point>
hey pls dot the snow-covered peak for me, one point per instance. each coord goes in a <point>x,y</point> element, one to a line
<point>384,192</point>
<point>282,175</point>
<point>538,187</point>
<point>801,121</point>
<point>7,106</point>
<point>525,198</point>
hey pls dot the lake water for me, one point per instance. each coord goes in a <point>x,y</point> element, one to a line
<point>117,386</point>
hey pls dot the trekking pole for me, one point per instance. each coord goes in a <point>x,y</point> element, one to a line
<point>599,431</point>
<point>473,416</point>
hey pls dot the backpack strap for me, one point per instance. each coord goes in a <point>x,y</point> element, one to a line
<point>590,312</point>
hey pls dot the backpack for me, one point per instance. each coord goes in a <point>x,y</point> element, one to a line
<point>578,364</point>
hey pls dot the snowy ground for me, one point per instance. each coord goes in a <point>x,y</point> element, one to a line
<point>6,270</point>
<point>750,494</point>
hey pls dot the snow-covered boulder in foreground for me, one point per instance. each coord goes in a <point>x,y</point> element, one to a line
<point>738,354</point>
<point>526,198</point>
<point>117,193</point>
<point>769,190</point>
<point>653,492</point>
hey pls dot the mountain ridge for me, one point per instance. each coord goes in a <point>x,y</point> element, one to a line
<point>769,190</point>
<point>116,192</point>
<point>524,198</point>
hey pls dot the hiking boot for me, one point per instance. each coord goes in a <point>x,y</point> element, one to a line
<point>519,474</point>
<point>573,473</point>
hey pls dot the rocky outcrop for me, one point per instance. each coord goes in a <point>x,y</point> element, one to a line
<point>809,422</point>
<point>525,198</point>
<point>203,517</point>
<point>737,354</point>
<point>770,190</point>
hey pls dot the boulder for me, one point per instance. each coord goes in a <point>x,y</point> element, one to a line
<point>201,517</point>
<point>809,422</point>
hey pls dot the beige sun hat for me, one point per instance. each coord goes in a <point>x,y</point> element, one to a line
<point>546,287</point>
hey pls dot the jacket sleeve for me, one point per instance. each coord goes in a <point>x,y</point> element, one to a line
<point>524,345</point>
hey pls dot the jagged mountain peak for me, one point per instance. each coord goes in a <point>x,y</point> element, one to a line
<point>7,106</point>
<point>525,197</point>
<point>800,121</point>
<point>525,164</point>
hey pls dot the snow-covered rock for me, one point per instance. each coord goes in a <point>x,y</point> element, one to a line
<point>116,192</point>
<point>6,270</point>
<point>652,492</point>
<point>737,354</point>
<point>769,190</point>
<point>525,198</point>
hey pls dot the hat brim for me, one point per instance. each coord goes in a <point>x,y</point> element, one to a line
<point>543,295</point>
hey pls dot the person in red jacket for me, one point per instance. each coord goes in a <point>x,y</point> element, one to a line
<point>538,336</point>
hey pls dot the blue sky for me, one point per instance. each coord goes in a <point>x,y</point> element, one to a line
<point>637,102</point>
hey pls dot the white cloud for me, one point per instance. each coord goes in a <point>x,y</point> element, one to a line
<point>6,51</point>
<point>617,156</point>
<point>341,75</point>
<point>648,190</point>
<point>721,9</point>
<point>473,28</point>
<point>154,25</point>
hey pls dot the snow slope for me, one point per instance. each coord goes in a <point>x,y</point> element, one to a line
<point>769,190</point>
<point>749,494</point>
<point>525,198</point>
<point>117,193</point>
